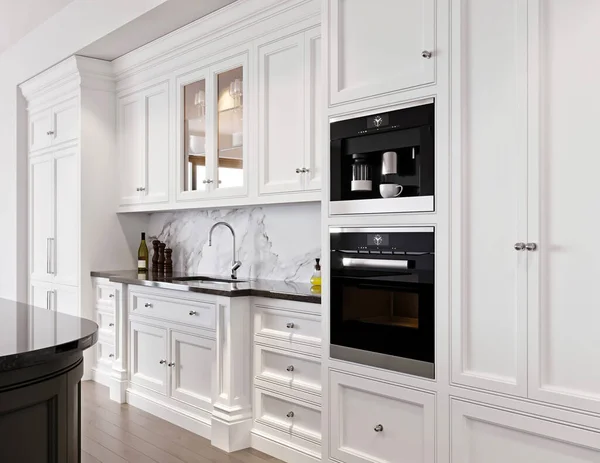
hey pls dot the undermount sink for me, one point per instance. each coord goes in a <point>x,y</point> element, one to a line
<point>207,279</point>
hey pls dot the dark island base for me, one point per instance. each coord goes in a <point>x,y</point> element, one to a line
<point>40,412</point>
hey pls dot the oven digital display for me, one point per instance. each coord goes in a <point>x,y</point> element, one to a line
<point>378,239</point>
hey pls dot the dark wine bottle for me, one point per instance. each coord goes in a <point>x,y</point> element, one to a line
<point>143,255</point>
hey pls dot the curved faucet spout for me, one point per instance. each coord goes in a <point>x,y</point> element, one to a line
<point>235,264</point>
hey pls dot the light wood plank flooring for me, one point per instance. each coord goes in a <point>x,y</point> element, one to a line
<point>118,433</point>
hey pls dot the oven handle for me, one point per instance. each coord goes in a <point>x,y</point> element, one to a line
<point>375,263</point>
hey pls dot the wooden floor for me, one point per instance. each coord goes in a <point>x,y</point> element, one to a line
<point>112,432</point>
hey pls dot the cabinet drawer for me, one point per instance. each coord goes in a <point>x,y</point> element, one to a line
<point>374,421</point>
<point>106,323</point>
<point>105,296</point>
<point>190,312</point>
<point>287,325</point>
<point>290,370</point>
<point>288,415</point>
<point>105,354</point>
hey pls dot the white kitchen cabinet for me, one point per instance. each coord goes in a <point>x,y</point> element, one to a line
<point>379,47</point>
<point>143,139</point>
<point>483,434</point>
<point>375,421</point>
<point>53,126</point>
<point>191,365</point>
<point>66,299</point>
<point>149,356</point>
<point>41,222</point>
<point>39,130</point>
<point>489,322</point>
<point>40,294</point>
<point>289,122</point>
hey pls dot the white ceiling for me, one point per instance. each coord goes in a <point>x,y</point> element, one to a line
<point>18,17</point>
<point>165,18</point>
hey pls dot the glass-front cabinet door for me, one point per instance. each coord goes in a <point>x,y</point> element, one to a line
<point>212,160</point>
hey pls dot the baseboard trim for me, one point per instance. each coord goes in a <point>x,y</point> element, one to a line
<point>100,377</point>
<point>166,412</point>
<point>283,451</point>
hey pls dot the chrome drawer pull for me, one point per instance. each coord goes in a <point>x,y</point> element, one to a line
<point>426,54</point>
<point>111,324</point>
<point>162,362</point>
<point>111,295</point>
<point>531,246</point>
<point>290,368</point>
<point>193,312</point>
<point>290,414</point>
<point>170,364</point>
<point>519,246</point>
<point>378,428</point>
<point>289,325</point>
<point>147,304</point>
<point>111,355</point>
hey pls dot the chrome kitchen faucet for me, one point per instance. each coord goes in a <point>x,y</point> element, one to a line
<point>235,264</point>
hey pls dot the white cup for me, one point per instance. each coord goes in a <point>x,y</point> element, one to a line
<point>390,190</point>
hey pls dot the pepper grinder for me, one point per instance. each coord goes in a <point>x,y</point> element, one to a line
<point>155,245</point>
<point>168,260</point>
<point>161,257</point>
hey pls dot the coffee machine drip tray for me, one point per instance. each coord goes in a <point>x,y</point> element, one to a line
<point>383,205</point>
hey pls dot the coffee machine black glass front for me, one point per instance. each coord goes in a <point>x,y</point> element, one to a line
<point>383,162</point>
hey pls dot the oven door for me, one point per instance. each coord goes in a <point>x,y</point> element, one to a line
<point>384,319</point>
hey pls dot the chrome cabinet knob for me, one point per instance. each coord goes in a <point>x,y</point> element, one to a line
<point>193,312</point>
<point>137,189</point>
<point>170,364</point>
<point>162,362</point>
<point>305,170</point>
<point>519,246</point>
<point>209,180</point>
<point>290,414</point>
<point>50,132</point>
<point>289,325</point>
<point>111,295</point>
<point>290,368</point>
<point>142,189</point>
<point>204,181</point>
<point>111,324</point>
<point>111,355</point>
<point>426,54</point>
<point>147,304</point>
<point>531,246</point>
<point>378,428</point>
<point>298,170</point>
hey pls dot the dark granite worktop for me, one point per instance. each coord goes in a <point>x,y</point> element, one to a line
<point>292,291</point>
<point>31,335</point>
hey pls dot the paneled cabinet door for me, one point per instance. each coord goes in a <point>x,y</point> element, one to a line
<point>131,141</point>
<point>489,262</point>
<point>40,294</point>
<point>281,115</point>
<point>39,131</point>
<point>192,368</point>
<point>66,300</point>
<point>149,356</point>
<point>65,121</point>
<point>564,270</point>
<point>490,435</point>
<point>379,47</point>
<point>315,107</point>
<point>41,222</point>
<point>65,262</point>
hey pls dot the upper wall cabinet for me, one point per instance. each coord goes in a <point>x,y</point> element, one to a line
<point>212,131</point>
<point>143,139</point>
<point>289,98</point>
<point>379,47</point>
<point>54,125</point>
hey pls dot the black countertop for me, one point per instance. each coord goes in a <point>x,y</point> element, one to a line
<point>291,291</point>
<point>31,335</point>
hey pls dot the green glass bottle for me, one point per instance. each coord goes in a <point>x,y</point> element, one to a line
<point>143,255</point>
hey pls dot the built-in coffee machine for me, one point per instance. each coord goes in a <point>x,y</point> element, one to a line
<point>383,162</point>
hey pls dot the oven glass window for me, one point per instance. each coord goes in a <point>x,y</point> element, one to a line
<point>381,307</point>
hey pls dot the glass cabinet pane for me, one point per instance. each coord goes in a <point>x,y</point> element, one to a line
<point>230,123</point>
<point>194,96</point>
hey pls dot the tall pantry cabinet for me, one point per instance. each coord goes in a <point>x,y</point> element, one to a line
<point>71,184</point>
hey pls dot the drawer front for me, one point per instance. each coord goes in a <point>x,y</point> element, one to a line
<point>287,325</point>
<point>106,323</point>
<point>190,312</point>
<point>291,370</point>
<point>374,421</point>
<point>105,296</point>
<point>105,354</point>
<point>289,415</point>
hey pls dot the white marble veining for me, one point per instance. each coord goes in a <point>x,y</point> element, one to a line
<point>273,242</point>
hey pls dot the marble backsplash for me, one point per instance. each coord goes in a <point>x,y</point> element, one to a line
<point>278,242</point>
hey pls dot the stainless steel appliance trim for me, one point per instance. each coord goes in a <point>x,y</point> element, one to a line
<point>374,263</point>
<point>385,361</point>
<point>403,229</point>
<point>385,109</point>
<point>383,205</point>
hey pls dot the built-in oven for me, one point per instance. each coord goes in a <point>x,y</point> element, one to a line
<point>382,310</point>
<point>383,162</point>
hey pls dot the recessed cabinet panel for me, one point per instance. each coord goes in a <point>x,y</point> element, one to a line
<point>281,115</point>
<point>149,356</point>
<point>378,47</point>
<point>66,245</point>
<point>488,435</point>
<point>65,121</point>
<point>489,334</point>
<point>192,364</point>
<point>130,123</point>
<point>39,135</point>
<point>156,163</point>
<point>314,108</point>
<point>41,223</point>
<point>563,278</point>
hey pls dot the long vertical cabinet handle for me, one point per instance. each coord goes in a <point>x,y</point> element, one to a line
<point>48,269</point>
<point>53,256</point>
<point>47,300</point>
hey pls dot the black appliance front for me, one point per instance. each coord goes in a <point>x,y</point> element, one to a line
<point>358,169</point>
<point>382,310</point>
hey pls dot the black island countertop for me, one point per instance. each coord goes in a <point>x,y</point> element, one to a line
<point>31,335</point>
<point>287,290</point>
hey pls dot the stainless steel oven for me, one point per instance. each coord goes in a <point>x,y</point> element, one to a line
<point>382,310</point>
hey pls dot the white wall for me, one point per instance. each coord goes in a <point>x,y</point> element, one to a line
<point>76,26</point>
